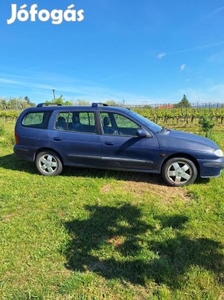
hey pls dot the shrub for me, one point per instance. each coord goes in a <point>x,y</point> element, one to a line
<point>206,125</point>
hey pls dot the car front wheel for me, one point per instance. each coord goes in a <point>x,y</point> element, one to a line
<point>179,171</point>
<point>48,163</point>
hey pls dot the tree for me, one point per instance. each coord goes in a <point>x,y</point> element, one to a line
<point>58,101</point>
<point>111,103</point>
<point>82,102</point>
<point>184,103</point>
<point>3,104</point>
<point>26,98</point>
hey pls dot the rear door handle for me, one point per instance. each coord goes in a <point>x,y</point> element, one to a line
<point>109,143</point>
<point>57,139</point>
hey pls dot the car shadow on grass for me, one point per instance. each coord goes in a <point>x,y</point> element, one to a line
<point>118,243</point>
<point>11,162</point>
<point>115,174</point>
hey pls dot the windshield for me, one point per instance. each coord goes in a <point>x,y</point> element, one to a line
<point>146,122</point>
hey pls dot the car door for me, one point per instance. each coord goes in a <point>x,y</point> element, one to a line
<point>122,148</point>
<point>75,138</point>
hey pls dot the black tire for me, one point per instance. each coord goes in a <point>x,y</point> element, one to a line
<point>179,171</point>
<point>48,163</point>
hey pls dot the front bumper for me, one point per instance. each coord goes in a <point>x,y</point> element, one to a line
<point>211,168</point>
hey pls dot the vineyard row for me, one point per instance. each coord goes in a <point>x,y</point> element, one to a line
<point>188,115</point>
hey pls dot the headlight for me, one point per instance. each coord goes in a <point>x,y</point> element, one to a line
<point>218,153</point>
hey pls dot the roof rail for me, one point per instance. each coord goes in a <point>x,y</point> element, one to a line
<point>48,104</point>
<point>96,104</point>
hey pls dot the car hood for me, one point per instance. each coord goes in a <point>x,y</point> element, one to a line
<point>174,139</point>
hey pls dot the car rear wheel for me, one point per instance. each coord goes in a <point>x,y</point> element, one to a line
<point>179,171</point>
<point>48,163</point>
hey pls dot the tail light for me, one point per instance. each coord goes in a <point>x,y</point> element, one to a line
<point>16,139</point>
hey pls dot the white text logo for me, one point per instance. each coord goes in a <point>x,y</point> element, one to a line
<point>57,16</point>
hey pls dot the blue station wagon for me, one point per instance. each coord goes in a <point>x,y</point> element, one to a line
<point>107,137</point>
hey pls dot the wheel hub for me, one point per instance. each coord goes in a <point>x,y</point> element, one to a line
<point>179,172</point>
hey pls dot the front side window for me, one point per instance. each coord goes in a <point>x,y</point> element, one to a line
<point>76,121</point>
<point>116,124</point>
<point>36,119</point>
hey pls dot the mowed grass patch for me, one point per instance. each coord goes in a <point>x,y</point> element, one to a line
<point>91,234</point>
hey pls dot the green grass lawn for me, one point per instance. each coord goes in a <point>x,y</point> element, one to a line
<point>91,234</point>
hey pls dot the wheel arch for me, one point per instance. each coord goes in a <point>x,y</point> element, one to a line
<point>48,149</point>
<point>182,155</point>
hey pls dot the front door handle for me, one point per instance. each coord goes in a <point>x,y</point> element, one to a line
<point>57,139</point>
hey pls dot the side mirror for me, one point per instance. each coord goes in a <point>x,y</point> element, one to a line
<point>142,133</point>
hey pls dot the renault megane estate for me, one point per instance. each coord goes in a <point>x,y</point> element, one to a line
<point>107,137</point>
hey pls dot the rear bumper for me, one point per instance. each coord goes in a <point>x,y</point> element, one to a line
<point>25,153</point>
<point>211,168</point>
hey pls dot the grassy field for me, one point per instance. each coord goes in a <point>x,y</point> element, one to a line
<point>91,234</point>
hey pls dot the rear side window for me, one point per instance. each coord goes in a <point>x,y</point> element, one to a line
<point>36,119</point>
<point>76,121</point>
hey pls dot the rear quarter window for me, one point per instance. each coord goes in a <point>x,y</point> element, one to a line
<point>36,119</point>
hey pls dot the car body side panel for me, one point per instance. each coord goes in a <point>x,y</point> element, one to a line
<point>77,148</point>
<point>130,152</point>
